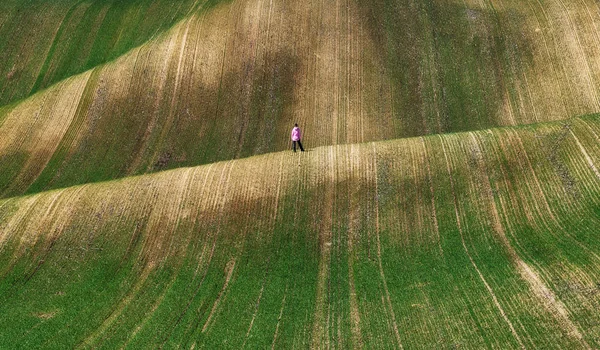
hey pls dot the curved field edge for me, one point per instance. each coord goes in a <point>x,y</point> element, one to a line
<point>229,82</point>
<point>480,239</point>
<point>44,42</point>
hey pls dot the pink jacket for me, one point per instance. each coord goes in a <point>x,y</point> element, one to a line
<point>296,134</point>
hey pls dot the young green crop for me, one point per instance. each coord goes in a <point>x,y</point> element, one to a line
<point>200,82</point>
<point>468,239</point>
<point>128,218</point>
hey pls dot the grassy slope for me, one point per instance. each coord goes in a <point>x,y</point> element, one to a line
<point>229,82</point>
<point>482,239</point>
<point>43,42</point>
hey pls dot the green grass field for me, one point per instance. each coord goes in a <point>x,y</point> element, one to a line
<point>449,198</point>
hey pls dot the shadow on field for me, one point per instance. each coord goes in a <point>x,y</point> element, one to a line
<point>75,36</point>
<point>122,135</point>
<point>451,66</point>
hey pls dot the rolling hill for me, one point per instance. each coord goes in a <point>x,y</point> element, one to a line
<point>450,196</point>
<point>228,81</point>
<point>480,239</point>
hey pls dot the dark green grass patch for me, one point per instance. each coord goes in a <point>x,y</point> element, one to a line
<point>12,165</point>
<point>449,65</point>
<point>76,36</point>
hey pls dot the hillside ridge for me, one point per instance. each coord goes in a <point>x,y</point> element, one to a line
<point>449,196</point>
<point>229,82</point>
<point>74,36</point>
<point>375,240</point>
<point>465,134</point>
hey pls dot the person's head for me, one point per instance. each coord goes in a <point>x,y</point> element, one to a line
<point>296,125</point>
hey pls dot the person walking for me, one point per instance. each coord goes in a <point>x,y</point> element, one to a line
<point>296,135</point>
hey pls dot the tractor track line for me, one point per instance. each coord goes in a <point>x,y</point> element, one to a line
<point>21,213</point>
<point>191,300</point>
<point>262,288</point>
<point>117,311</point>
<point>591,18</point>
<point>542,194</point>
<point>165,127</point>
<point>426,158</point>
<point>279,319</point>
<point>388,302</point>
<point>57,34</point>
<point>582,54</point>
<point>353,217</point>
<point>222,294</point>
<point>61,113</point>
<point>76,125</point>
<point>417,174</point>
<point>462,238</point>
<point>149,314</point>
<point>133,292</point>
<point>151,123</point>
<point>586,155</point>
<point>218,204</point>
<point>545,296</point>
<point>555,74</point>
<point>321,324</point>
<point>183,194</point>
<point>273,223</point>
<point>253,39</point>
<point>555,49</point>
<point>31,239</point>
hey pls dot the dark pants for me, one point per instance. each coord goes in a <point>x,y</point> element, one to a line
<point>299,144</point>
